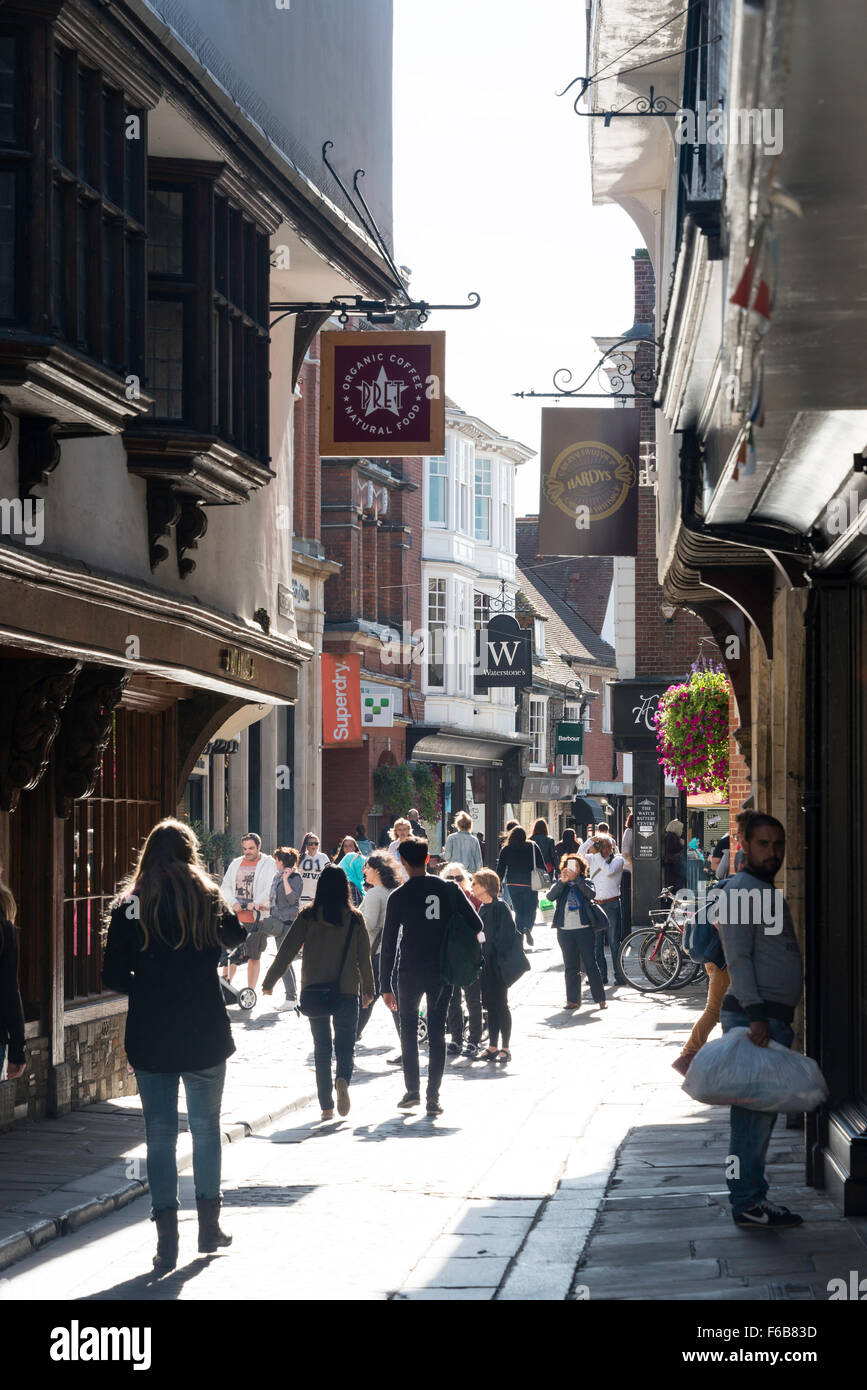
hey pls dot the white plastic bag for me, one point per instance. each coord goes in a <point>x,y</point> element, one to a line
<point>732,1070</point>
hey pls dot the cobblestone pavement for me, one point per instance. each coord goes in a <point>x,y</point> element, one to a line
<point>524,1177</point>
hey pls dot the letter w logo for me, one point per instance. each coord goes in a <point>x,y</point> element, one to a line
<point>506,649</point>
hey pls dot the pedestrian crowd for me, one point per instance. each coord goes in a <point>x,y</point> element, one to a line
<point>373,924</point>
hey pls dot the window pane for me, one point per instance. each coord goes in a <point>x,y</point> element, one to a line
<point>110,119</point>
<point>436,619</point>
<point>165,358</point>
<point>10,133</point>
<point>7,245</point>
<point>483,518</point>
<point>165,231</point>
<point>84,287</point>
<point>133,164</point>
<point>110,303</point>
<point>61,124</point>
<point>437,491</point>
<point>84,88</point>
<point>134,297</point>
<point>221,245</point>
<point>59,242</point>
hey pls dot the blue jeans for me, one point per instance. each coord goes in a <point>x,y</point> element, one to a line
<point>342,1041</point>
<point>159,1099</point>
<point>524,901</point>
<point>612,912</point>
<point>751,1129</point>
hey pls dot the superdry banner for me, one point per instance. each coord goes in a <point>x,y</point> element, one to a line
<point>589,492</point>
<point>341,701</point>
<point>383,394</point>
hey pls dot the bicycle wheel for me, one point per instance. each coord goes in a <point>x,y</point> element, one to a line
<point>688,972</point>
<point>648,959</point>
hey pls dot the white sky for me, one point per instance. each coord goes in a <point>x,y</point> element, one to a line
<point>492,193</point>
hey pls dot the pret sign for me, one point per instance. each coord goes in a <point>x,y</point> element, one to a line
<point>382,394</point>
<point>646,838</point>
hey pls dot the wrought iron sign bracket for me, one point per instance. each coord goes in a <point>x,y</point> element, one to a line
<point>376,311</point>
<point>643,379</point>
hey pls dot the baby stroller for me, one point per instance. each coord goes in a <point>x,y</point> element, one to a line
<point>245,998</point>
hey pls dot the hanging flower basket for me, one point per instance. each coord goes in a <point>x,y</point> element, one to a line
<point>692,731</point>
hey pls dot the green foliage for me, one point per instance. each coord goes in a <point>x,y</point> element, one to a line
<point>394,787</point>
<point>428,795</point>
<point>217,846</point>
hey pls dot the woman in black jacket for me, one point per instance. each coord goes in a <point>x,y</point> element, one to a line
<point>572,892</point>
<point>505,962</point>
<point>568,845</point>
<point>11,1008</point>
<point>286,890</point>
<point>166,929</point>
<point>518,858</point>
<point>542,837</point>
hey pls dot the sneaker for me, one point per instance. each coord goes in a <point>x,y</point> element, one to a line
<point>765,1216</point>
<point>454,1049</point>
<point>682,1064</point>
<point>342,1088</point>
<point>433,1106</point>
<point>472,1051</point>
<point>411,1099</point>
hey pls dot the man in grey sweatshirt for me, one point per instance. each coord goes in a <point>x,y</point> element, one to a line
<point>764,965</point>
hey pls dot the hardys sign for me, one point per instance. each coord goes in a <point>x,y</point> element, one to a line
<point>382,394</point>
<point>341,701</point>
<point>503,656</point>
<point>589,495</point>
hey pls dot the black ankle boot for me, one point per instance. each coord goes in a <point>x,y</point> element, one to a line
<point>166,1257</point>
<point>210,1236</point>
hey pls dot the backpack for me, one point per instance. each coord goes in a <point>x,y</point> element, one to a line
<point>701,940</point>
<point>461,954</point>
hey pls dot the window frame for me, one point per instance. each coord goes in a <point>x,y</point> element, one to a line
<point>439,585</point>
<point>538,730</point>
<point>443,476</point>
<point>479,495</point>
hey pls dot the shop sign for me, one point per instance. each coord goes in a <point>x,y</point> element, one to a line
<point>646,843</point>
<point>504,655</point>
<point>236,662</point>
<point>547,788</point>
<point>589,482</point>
<point>633,706</point>
<point>382,394</point>
<point>341,701</point>
<point>379,705</point>
<point>569,739</point>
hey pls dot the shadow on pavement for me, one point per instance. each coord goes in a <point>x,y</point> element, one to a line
<point>148,1288</point>
<point>415,1126</point>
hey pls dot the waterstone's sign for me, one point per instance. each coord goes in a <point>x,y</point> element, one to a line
<point>504,655</point>
<point>382,394</point>
<point>589,494</point>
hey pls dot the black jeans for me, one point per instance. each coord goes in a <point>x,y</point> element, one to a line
<point>473,996</point>
<point>578,949</point>
<point>525,902</point>
<point>364,1014</point>
<point>496,993</point>
<point>345,1019</point>
<point>438,996</point>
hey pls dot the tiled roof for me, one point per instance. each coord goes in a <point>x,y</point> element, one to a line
<point>582,582</point>
<point>566,634</point>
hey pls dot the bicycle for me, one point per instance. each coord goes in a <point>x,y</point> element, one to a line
<point>652,958</point>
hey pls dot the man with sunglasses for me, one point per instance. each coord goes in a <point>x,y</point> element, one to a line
<point>311,862</point>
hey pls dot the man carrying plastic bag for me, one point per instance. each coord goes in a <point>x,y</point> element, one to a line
<point>764,965</point>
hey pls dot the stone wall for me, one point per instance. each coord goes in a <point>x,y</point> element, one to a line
<point>97,1061</point>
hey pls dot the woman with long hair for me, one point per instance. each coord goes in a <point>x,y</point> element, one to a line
<point>504,887</point>
<point>285,905</point>
<point>568,845</point>
<point>543,838</point>
<point>380,877</point>
<point>11,1007</point>
<point>505,962</point>
<point>336,948</point>
<point>312,859</point>
<point>350,859</point>
<point>518,858</point>
<point>166,929</point>
<point>571,893</point>
<point>458,874</point>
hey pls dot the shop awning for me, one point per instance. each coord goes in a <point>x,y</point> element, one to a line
<point>451,746</point>
<point>587,811</point>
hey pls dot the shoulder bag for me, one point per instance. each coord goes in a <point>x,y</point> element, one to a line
<point>318,1001</point>
<point>540,879</point>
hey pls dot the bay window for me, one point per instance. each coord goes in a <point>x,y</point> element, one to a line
<point>538,731</point>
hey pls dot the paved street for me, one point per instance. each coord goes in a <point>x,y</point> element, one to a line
<point>496,1199</point>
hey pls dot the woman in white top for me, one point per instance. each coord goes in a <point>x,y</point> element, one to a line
<point>462,846</point>
<point>380,878</point>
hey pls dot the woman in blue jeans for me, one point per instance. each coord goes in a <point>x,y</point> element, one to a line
<point>336,948</point>
<point>167,927</point>
<point>518,858</point>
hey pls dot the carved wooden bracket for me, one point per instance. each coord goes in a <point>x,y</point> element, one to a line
<point>192,525</point>
<point>32,695</point>
<point>38,451</point>
<point>164,510</point>
<point>84,733</point>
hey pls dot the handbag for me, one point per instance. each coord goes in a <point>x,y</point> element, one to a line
<point>317,1001</point>
<point>540,879</point>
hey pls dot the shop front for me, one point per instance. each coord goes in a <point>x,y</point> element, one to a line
<point>477,775</point>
